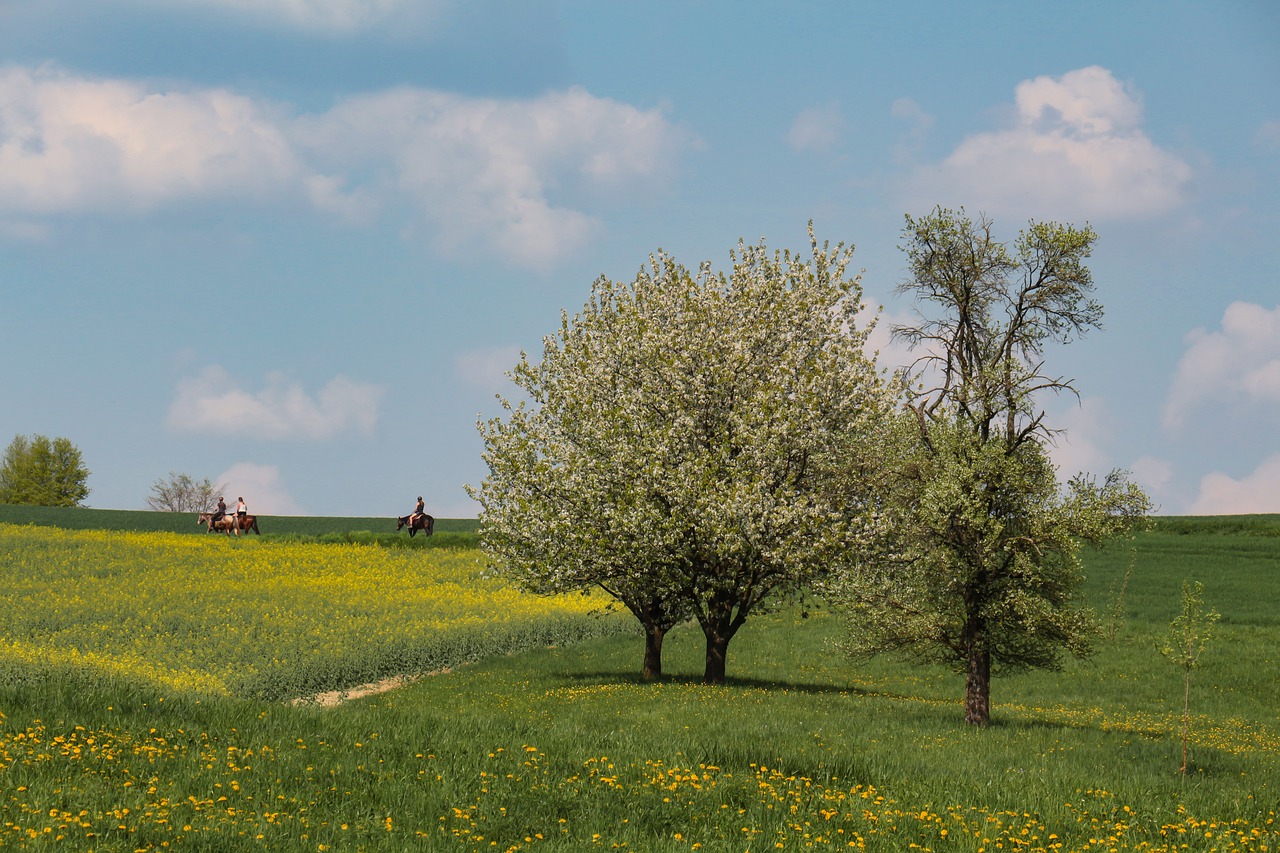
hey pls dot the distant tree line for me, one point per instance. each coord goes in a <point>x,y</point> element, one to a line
<point>40,471</point>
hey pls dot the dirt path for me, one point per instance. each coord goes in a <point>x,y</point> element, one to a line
<point>334,698</point>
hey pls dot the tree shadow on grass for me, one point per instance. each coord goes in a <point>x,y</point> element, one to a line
<point>602,677</point>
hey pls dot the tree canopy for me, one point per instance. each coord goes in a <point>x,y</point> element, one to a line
<point>980,565</point>
<point>696,445</point>
<point>40,471</point>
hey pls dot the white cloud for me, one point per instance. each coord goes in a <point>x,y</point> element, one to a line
<point>212,402</point>
<point>1268,136</point>
<point>1259,492</point>
<point>1154,476</point>
<point>1074,149</point>
<point>906,109</point>
<point>328,193</point>
<point>1079,447</point>
<point>817,129</point>
<point>1238,363</point>
<point>485,173</point>
<point>487,369</point>
<point>1152,473</point>
<point>72,144</point>
<point>260,486</point>
<point>488,169</point>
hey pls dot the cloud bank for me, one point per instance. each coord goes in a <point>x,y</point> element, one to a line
<point>514,174</point>
<point>1074,148</point>
<point>213,403</point>
<point>1258,492</point>
<point>489,169</point>
<point>74,144</point>
<point>1238,363</point>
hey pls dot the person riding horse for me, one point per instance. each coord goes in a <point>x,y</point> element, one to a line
<point>229,523</point>
<point>417,520</point>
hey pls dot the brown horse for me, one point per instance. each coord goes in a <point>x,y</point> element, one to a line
<point>229,523</point>
<point>424,522</point>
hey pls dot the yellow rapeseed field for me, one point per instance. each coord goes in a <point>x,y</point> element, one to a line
<point>261,618</point>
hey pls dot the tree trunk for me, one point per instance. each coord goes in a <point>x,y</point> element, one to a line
<point>977,686</point>
<point>653,636</point>
<point>720,622</point>
<point>717,654</point>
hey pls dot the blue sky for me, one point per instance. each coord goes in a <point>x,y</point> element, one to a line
<point>292,245</point>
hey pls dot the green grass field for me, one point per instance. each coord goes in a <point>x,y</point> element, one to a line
<point>78,518</point>
<point>563,748</point>
<point>449,532</point>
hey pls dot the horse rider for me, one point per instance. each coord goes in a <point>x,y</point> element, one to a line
<point>220,510</point>
<point>242,509</point>
<point>419,510</point>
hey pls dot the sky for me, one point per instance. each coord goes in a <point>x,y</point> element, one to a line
<point>293,246</point>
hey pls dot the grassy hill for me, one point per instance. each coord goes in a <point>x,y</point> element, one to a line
<point>1230,525</point>
<point>562,747</point>
<point>143,521</point>
<point>79,518</point>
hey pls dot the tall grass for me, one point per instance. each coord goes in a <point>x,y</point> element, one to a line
<point>565,748</point>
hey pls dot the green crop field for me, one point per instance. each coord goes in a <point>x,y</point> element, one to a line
<point>448,531</point>
<point>77,518</point>
<point>144,679</point>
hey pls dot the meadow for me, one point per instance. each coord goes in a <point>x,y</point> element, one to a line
<point>173,738</point>
<point>145,521</point>
<point>449,532</point>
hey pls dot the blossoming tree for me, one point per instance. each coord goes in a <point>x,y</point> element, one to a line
<point>697,445</point>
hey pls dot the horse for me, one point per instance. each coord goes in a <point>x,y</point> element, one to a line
<point>424,522</point>
<point>229,523</point>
